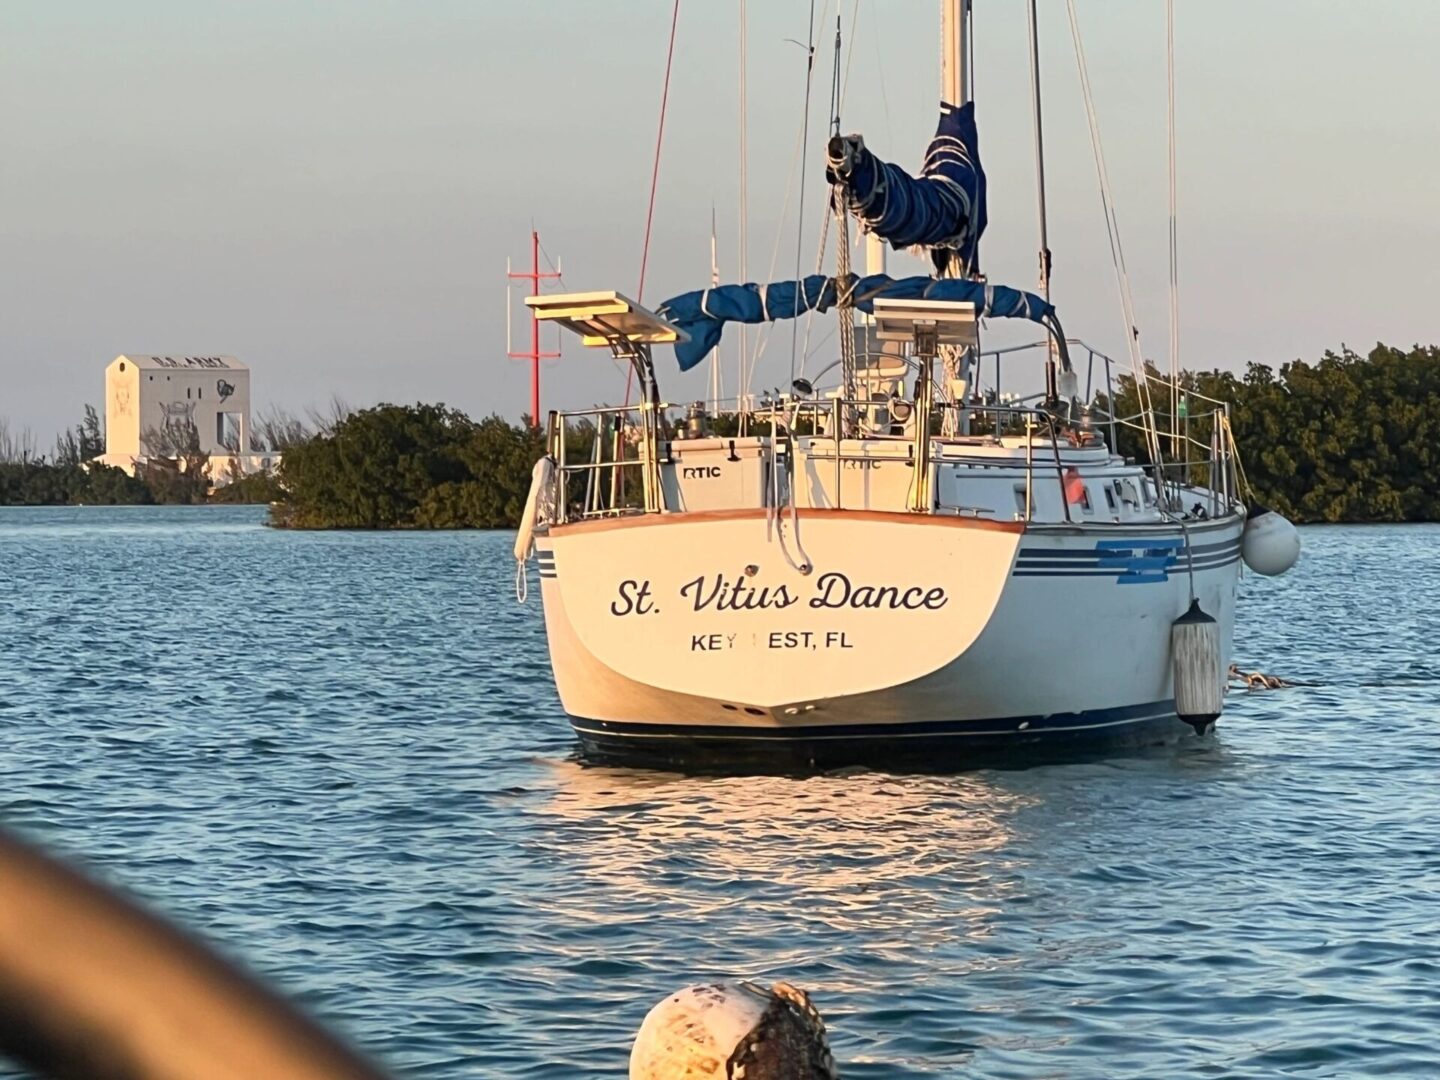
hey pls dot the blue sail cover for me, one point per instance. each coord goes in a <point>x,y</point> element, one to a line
<point>703,313</point>
<point>942,208</point>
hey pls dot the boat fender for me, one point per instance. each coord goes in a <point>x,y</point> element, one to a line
<point>1199,677</point>
<point>1271,544</point>
<point>733,1029</point>
<point>537,506</point>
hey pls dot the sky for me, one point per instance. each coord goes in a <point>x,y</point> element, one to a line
<point>330,190</point>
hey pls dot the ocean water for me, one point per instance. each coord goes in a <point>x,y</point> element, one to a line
<point>340,758</point>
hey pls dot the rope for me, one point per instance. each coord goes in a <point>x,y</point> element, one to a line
<point>655,176</point>
<point>1245,488</point>
<point>844,307</point>
<point>819,269</point>
<point>804,566</point>
<point>1258,680</point>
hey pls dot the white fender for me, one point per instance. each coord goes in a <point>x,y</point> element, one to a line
<point>1271,544</point>
<point>542,478</point>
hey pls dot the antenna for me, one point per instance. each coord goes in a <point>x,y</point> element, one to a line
<point>534,355</point>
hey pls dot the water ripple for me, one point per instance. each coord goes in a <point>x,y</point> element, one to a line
<point>340,757</point>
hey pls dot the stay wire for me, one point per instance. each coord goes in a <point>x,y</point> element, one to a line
<point>800,214</point>
<point>1117,254</point>
<point>655,176</point>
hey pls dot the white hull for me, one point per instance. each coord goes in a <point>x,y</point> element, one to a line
<point>934,638</point>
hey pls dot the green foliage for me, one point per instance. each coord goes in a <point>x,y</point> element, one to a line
<point>38,483</point>
<point>416,466</point>
<point>260,487</point>
<point>184,480</point>
<point>74,477</point>
<point>105,485</point>
<point>1351,438</point>
<point>84,442</point>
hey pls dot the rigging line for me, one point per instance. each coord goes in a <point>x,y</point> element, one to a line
<point>804,157</point>
<point>819,342</point>
<point>840,270</point>
<point>765,330</point>
<point>659,143</point>
<point>880,67</point>
<point>1117,251</point>
<point>762,337</point>
<point>849,55</point>
<point>655,173</point>
<point>819,269</point>
<point>844,306</point>
<point>743,339</point>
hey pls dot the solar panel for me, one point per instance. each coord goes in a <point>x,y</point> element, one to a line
<point>600,318</point>
<point>954,321</point>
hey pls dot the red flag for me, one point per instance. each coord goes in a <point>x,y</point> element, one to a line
<point>1074,486</point>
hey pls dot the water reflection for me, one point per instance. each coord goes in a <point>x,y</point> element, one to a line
<point>851,851</point>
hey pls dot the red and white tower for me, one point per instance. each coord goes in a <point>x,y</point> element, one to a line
<point>534,276</point>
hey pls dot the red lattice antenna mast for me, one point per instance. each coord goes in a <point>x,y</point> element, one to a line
<point>534,276</point>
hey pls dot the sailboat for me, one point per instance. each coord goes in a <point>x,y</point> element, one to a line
<point>898,569</point>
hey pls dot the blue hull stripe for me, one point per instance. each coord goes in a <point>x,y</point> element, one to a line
<point>1160,574</point>
<point>1114,545</point>
<point>1134,561</point>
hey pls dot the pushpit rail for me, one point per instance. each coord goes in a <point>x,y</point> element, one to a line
<point>629,330</point>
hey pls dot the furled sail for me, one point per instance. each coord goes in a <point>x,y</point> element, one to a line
<point>943,208</point>
<point>703,313</point>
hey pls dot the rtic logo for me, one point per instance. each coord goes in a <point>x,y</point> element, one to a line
<point>700,472</point>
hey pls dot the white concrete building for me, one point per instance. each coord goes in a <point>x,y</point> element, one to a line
<point>152,401</point>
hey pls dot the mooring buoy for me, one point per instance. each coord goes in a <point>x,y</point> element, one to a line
<point>733,1029</point>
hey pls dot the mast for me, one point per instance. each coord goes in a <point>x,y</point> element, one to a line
<point>955,89</point>
<point>714,283</point>
<point>1174,254</point>
<point>742,381</point>
<point>1039,150</point>
<point>954,30</point>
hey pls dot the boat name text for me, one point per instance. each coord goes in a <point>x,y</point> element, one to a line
<point>832,590</point>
